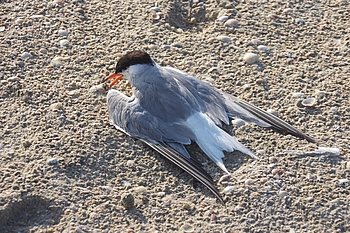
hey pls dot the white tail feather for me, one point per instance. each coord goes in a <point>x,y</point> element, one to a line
<point>213,140</point>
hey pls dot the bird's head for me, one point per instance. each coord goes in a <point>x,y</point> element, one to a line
<point>126,65</point>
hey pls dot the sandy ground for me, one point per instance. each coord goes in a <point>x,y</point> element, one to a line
<point>64,168</point>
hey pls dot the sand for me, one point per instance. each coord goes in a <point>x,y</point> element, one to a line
<point>64,168</point>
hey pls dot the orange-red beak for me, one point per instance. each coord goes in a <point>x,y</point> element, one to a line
<point>116,77</point>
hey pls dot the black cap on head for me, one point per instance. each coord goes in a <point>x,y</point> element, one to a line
<point>133,58</point>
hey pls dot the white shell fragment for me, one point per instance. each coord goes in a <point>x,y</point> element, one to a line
<point>98,89</point>
<point>298,95</point>
<point>330,150</point>
<point>309,102</point>
<point>263,48</point>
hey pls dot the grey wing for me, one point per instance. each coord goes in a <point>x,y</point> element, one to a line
<point>220,106</point>
<point>130,118</point>
<point>238,108</point>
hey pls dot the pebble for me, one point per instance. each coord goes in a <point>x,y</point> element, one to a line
<point>166,47</point>
<point>264,179</point>
<point>130,163</point>
<point>256,42</point>
<point>63,33</point>
<point>212,39</point>
<point>52,161</point>
<point>348,165</point>
<point>261,152</point>
<point>249,181</point>
<point>153,47</point>
<point>223,18</point>
<point>64,43</point>
<point>99,89</point>
<point>58,2</point>
<point>298,95</point>
<point>188,228</point>
<point>155,8</point>
<point>57,62</point>
<point>224,178</point>
<point>309,102</point>
<point>343,181</point>
<point>36,16</point>
<point>225,39</point>
<point>263,48</point>
<point>25,55</point>
<point>282,194</point>
<point>251,58</point>
<point>61,118</point>
<point>140,189</point>
<point>127,200</point>
<point>277,171</point>
<point>260,81</point>
<point>18,21</point>
<point>229,189</point>
<point>13,79</point>
<point>238,122</point>
<point>231,23</point>
<point>2,29</point>
<point>56,106</point>
<point>287,10</point>
<point>176,44</point>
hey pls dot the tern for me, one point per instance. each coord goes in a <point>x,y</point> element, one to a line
<point>170,108</point>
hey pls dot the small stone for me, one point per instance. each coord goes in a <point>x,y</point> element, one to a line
<point>26,144</point>
<point>282,194</point>
<point>130,163</point>
<point>251,58</point>
<point>127,200</point>
<point>2,29</point>
<point>13,79</point>
<point>264,179</point>
<point>212,39</point>
<point>225,39</point>
<point>177,45</point>
<point>161,194</point>
<point>188,228</point>
<point>63,33</point>
<point>309,102</point>
<point>261,81</point>
<point>140,189</point>
<point>298,95</point>
<point>231,23</point>
<point>155,8</point>
<point>224,178</point>
<point>249,181</point>
<point>256,42</point>
<point>56,106</point>
<point>309,199</point>
<point>343,181</point>
<point>263,48</point>
<point>348,165</point>
<point>25,55</point>
<point>277,171</point>
<point>52,161</point>
<point>287,10</point>
<point>261,152</point>
<point>61,118</point>
<point>166,47</point>
<point>238,122</point>
<point>223,18</point>
<point>74,208</point>
<point>58,2</point>
<point>18,21</point>
<point>36,16</point>
<point>57,61</point>
<point>99,89</point>
<point>64,43</point>
<point>229,189</point>
<point>153,47</point>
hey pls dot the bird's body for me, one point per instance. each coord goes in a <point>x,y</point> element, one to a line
<point>170,108</point>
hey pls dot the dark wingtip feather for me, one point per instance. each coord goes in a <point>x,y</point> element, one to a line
<point>191,166</point>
